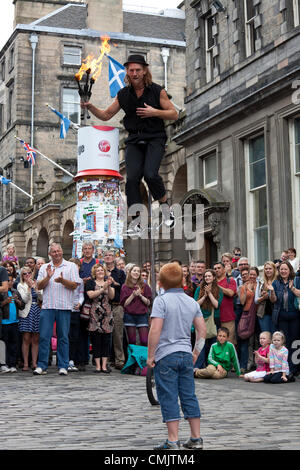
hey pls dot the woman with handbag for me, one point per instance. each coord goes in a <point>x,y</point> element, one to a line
<point>29,317</point>
<point>209,296</point>
<point>262,298</point>
<point>100,292</point>
<point>285,292</point>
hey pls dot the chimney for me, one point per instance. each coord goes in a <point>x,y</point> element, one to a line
<point>28,11</point>
<point>105,16</point>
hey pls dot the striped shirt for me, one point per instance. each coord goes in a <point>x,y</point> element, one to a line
<point>55,295</point>
<point>279,359</point>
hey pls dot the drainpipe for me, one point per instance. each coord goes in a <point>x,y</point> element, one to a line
<point>33,40</point>
<point>165,52</point>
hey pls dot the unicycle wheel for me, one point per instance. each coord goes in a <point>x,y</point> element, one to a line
<point>151,387</point>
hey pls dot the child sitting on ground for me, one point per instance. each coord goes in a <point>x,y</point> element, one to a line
<point>261,359</point>
<point>279,366</point>
<point>222,356</point>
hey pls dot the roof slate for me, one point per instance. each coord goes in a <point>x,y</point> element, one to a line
<point>153,26</point>
<point>135,24</point>
<point>73,17</point>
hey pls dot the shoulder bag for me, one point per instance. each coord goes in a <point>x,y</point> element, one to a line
<point>246,324</point>
<point>261,306</point>
<point>211,329</point>
<point>85,311</point>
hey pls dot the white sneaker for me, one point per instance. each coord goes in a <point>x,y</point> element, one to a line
<point>39,371</point>
<point>135,230</point>
<point>168,215</point>
<point>63,371</point>
<point>72,367</point>
<point>13,369</point>
<point>5,369</point>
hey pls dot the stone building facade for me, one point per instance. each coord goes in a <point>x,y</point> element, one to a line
<point>54,36</point>
<point>242,129</point>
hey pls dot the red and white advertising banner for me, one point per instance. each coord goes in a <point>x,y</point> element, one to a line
<point>98,149</point>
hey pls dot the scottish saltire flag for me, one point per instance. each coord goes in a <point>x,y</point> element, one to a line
<point>116,75</point>
<point>3,180</point>
<point>31,154</point>
<point>64,123</point>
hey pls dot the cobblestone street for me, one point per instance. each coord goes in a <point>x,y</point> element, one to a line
<point>89,411</point>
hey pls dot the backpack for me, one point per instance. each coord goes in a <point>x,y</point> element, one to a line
<point>246,324</point>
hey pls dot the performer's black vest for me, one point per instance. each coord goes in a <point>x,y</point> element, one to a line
<point>129,102</point>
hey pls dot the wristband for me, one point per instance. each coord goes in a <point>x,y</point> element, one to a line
<point>199,345</point>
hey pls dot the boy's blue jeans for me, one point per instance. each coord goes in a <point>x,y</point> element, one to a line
<point>174,377</point>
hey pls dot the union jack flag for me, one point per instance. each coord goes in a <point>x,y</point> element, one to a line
<point>31,153</point>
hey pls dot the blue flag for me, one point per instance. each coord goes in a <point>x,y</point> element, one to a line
<point>4,180</point>
<point>116,75</point>
<point>64,123</point>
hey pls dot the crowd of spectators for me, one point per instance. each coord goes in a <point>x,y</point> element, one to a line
<point>90,309</point>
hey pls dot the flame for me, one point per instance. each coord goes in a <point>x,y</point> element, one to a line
<point>92,64</point>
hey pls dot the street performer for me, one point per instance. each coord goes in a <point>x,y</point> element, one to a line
<point>146,106</point>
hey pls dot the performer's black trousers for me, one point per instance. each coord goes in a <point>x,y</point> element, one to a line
<point>143,160</point>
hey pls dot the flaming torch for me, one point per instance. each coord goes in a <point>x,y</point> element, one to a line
<point>92,67</point>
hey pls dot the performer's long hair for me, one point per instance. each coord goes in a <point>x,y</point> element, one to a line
<point>147,77</point>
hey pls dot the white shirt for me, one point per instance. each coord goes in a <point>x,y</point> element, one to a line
<point>295,263</point>
<point>55,295</point>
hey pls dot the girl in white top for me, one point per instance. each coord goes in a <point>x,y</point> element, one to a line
<point>293,259</point>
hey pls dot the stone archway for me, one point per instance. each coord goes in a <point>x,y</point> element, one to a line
<point>215,226</point>
<point>67,240</point>
<point>179,184</point>
<point>42,244</point>
<point>29,248</point>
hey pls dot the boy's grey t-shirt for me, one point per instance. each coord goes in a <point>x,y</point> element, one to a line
<point>178,311</point>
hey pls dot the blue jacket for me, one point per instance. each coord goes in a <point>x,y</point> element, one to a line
<point>279,286</point>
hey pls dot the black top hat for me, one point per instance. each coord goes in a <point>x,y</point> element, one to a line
<point>136,59</point>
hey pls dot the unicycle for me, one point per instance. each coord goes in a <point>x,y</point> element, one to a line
<point>151,387</point>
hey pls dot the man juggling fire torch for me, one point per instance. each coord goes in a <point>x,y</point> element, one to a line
<point>146,106</point>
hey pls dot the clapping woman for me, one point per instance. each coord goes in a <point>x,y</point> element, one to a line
<point>262,298</point>
<point>209,296</point>
<point>136,299</point>
<point>100,292</point>
<point>29,317</point>
<point>286,317</point>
